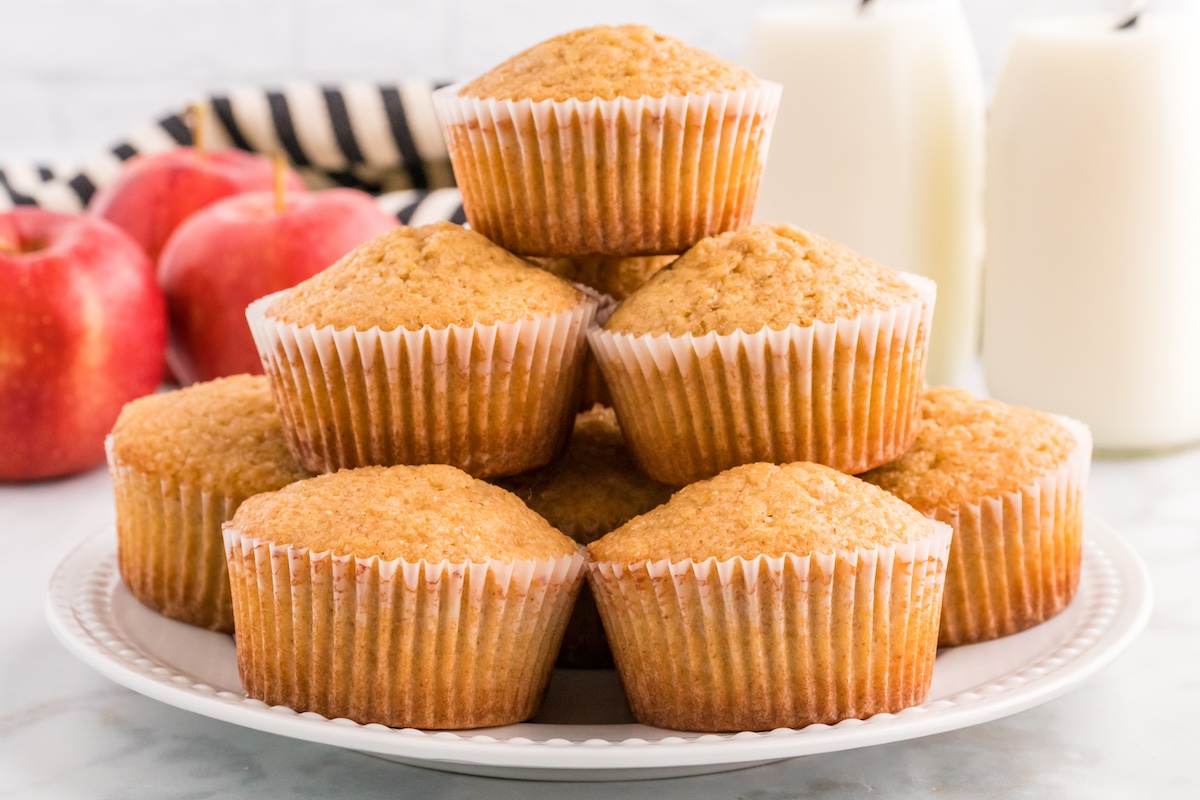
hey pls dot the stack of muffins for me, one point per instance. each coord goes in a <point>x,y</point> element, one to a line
<point>407,505</point>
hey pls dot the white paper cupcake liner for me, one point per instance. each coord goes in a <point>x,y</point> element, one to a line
<point>843,393</point>
<point>594,390</point>
<point>615,177</point>
<point>169,549</point>
<point>764,643</point>
<point>1016,558</point>
<point>489,399</point>
<point>400,643</point>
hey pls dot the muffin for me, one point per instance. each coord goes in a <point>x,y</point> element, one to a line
<point>181,462</point>
<point>616,277</point>
<point>767,344</point>
<point>593,390</point>
<point>1011,483</point>
<point>426,345</point>
<point>591,489</point>
<point>407,596</point>
<point>772,597</point>
<point>610,141</point>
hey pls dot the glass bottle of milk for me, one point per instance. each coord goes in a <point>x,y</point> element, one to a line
<point>1092,299</point>
<point>879,144</point>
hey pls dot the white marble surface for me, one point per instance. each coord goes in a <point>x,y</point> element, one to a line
<point>1131,731</point>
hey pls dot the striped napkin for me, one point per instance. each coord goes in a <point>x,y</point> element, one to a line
<point>381,138</point>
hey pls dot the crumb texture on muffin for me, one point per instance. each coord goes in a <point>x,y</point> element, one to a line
<point>223,434</point>
<point>607,62</point>
<point>762,276</point>
<point>438,275</point>
<point>594,486</point>
<point>968,450</point>
<point>433,512</point>
<point>765,509</point>
<point>614,276</point>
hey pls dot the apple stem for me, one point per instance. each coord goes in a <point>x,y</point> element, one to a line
<point>199,144</point>
<point>280,164</point>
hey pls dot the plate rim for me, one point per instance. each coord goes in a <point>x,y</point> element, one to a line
<point>1101,635</point>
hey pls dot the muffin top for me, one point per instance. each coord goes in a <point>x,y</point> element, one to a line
<point>968,450</point>
<point>223,434</point>
<point>594,486</point>
<point>765,509</point>
<point>437,275</point>
<point>614,276</point>
<point>433,512</point>
<point>608,62</point>
<point>762,276</point>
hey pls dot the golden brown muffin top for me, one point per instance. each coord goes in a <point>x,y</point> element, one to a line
<point>765,509</point>
<point>594,486</point>
<point>967,450</point>
<point>607,62</point>
<point>433,512</point>
<point>614,276</point>
<point>767,275</point>
<point>223,434</point>
<point>437,275</point>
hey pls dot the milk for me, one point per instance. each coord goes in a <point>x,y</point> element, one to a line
<point>879,144</point>
<point>1093,221</point>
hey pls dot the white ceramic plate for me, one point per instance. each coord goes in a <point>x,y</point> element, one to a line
<point>584,731</point>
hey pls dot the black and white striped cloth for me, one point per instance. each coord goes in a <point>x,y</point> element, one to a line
<point>383,139</point>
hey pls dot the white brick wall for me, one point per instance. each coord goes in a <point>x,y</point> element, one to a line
<point>76,74</point>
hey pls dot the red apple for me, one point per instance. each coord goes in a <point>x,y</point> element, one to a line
<point>155,193</point>
<point>82,330</point>
<point>241,248</point>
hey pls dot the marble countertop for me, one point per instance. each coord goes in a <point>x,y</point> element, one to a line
<point>66,732</point>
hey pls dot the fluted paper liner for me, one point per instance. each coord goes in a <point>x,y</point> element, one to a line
<point>169,549</point>
<point>622,177</point>
<point>490,399</point>
<point>594,390</point>
<point>764,643</point>
<point>843,393</point>
<point>1016,558</point>
<point>400,643</point>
